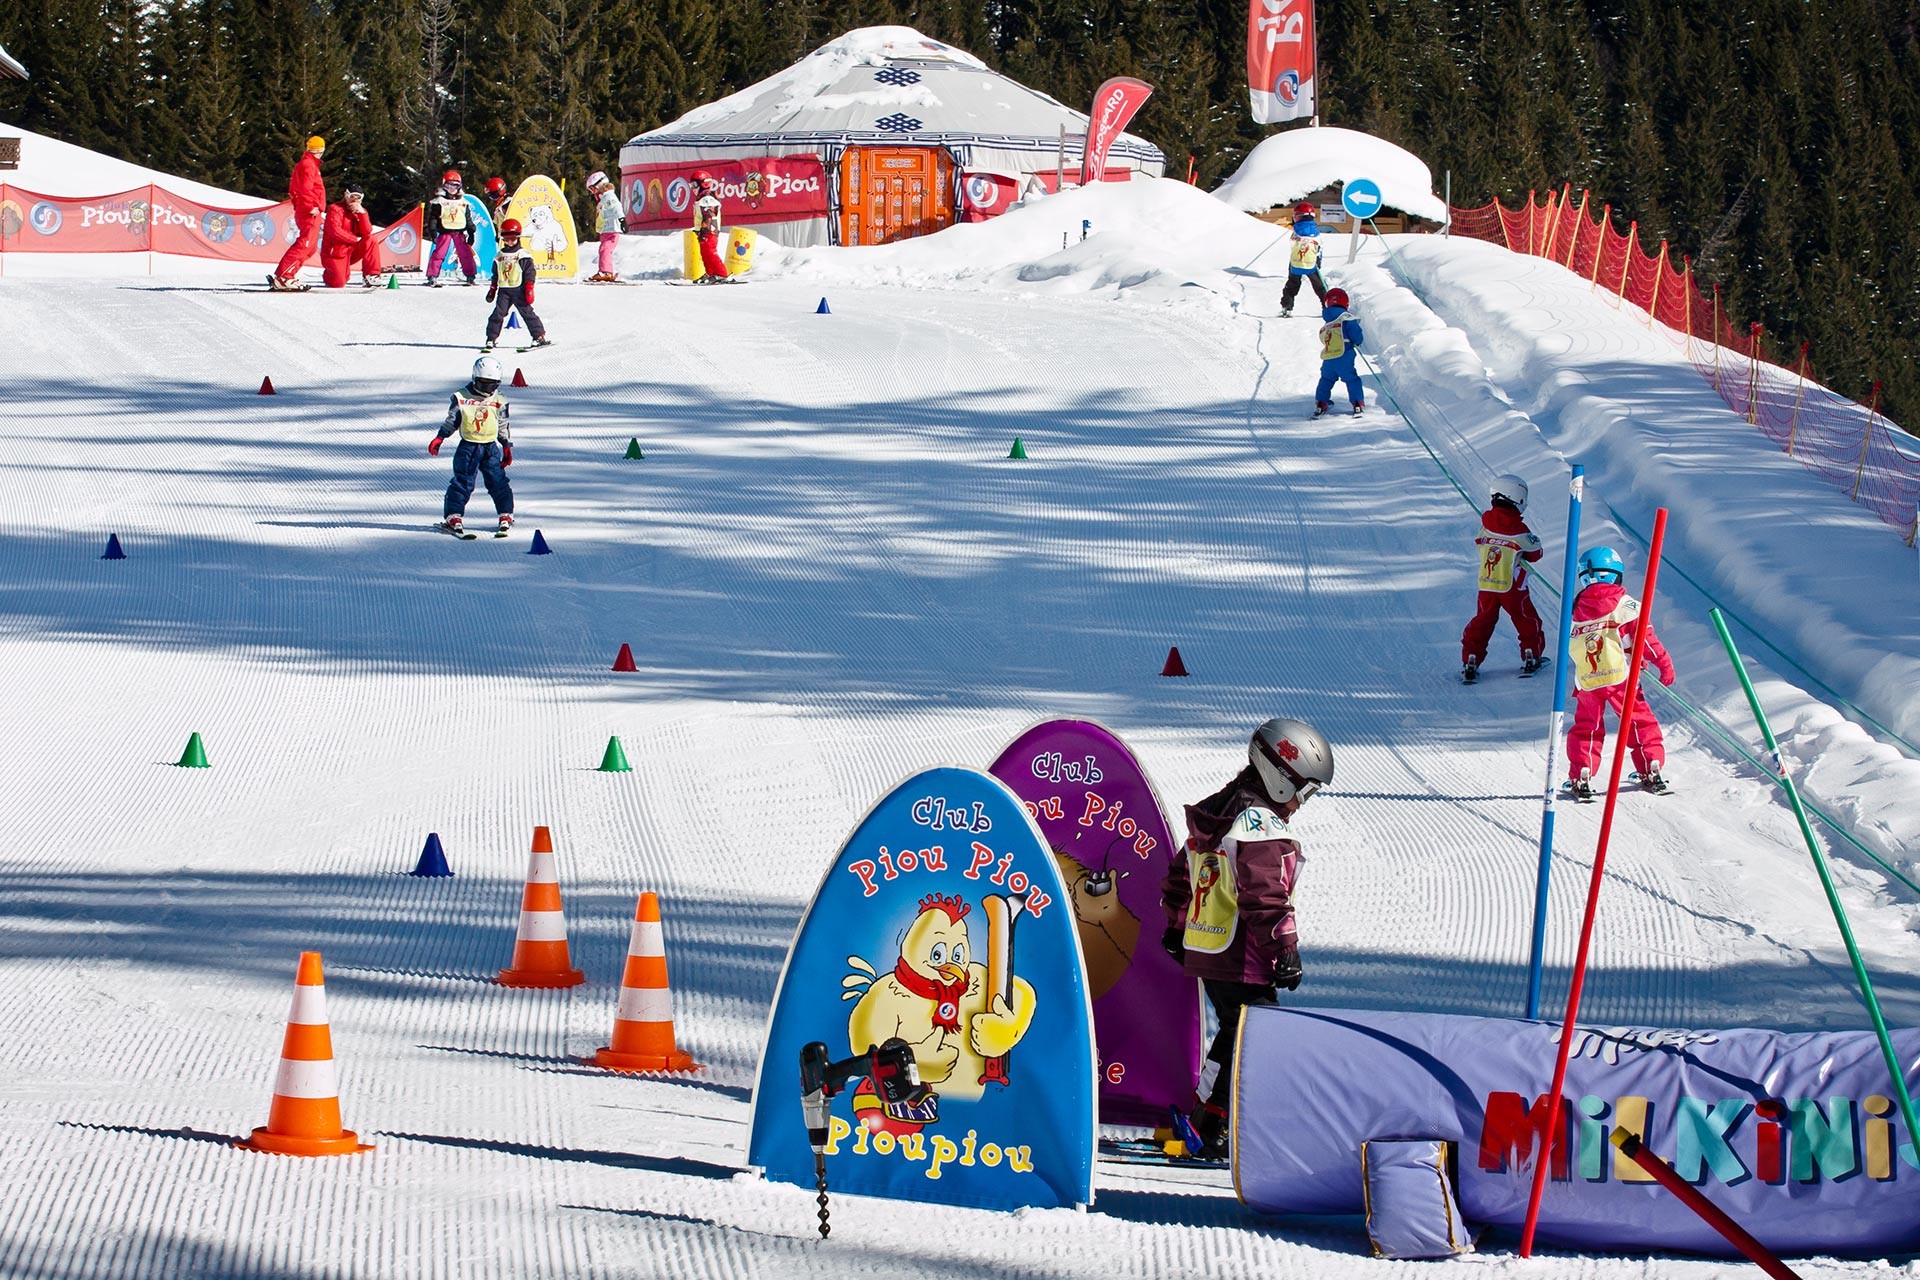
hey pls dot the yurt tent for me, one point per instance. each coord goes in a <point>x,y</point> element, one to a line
<point>880,135</point>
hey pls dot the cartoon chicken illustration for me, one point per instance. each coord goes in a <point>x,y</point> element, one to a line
<point>961,1016</point>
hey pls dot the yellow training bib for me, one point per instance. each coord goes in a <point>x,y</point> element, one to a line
<point>453,215</point>
<point>507,269</point>
<point>1306,254</point>
<point>480,418</point>
<point>1333,339</point>
<point>1498,559</point>
<point>1213,915</point>
<point>1602,661</point>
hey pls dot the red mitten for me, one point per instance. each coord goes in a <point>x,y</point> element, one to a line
<point>1666,675</point>
<point>433,445</point>
<point>506,455</point>
<point>529,293</point>
<point>490,294</point>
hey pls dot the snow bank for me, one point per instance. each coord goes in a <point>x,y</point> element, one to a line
<point>50,167</point>
<point>1293,164</point>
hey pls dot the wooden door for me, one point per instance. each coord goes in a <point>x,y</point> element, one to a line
<point>894,193</point>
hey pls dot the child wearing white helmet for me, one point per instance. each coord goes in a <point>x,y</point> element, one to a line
<point>479,413</point>
<point>1229,897</point>
<point>1501,553</point>
<point>1605,621</point>
<point>609,221</point>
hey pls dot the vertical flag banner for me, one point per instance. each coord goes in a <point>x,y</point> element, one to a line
<point>1114,104</point>
<point>1280,58</point>
<point>943,923</point>
<point>1108,834</point>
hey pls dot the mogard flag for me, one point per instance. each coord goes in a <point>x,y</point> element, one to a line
<point>1280,60</point>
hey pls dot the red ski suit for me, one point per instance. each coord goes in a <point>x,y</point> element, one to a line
<point>348,239</point>
<point>308,192</point>
<point>1589,732</point>
<point>1503,525</point>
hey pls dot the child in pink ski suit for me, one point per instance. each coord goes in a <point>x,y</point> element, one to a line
<point>1605,622</point>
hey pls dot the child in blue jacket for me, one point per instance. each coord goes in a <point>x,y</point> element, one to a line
<point>1340,339</point>
<point>1303,259</point>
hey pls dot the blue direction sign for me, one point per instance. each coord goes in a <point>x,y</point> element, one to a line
<point>1361,197</point>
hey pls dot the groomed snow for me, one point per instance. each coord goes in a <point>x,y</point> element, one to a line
<point>831,576</point>
<point>1299,161</point>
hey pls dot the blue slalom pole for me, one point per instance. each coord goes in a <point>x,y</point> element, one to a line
<point>1556,726</point>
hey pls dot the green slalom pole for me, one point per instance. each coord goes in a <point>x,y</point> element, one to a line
<point>1826,883</point>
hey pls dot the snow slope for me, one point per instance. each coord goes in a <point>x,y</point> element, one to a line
<point>831,576</point>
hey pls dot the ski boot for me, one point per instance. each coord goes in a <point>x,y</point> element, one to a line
<point>1286,313</point>
<point>433,282</point>
<point>455,526</point>
<point>1320,408</point>
<point>542,341</point>
<point>488,345</point>
<point>1470,672</point>
<point>506,525</point>
<point>471,280</point>
<point>1581,788</point>
<point>1530,663</point>
<point>1203,1135</point>
<point>1653,782</point>
<point>372,282</point>
<point>1359,407</point>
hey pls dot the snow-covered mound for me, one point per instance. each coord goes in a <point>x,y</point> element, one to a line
<point>50,167</point>
<point>1293,164</point>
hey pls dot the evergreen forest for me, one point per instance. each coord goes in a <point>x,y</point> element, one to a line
<point>1774,141</point>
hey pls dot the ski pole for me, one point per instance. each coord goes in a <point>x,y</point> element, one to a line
<point>1712,1214</point>
<point>1826,880</point>
<point>1629,698</point>
<point>1576,487</point>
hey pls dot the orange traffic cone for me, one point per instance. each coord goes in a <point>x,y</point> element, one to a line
<point>305,1118</point>
<point>540,949</point>
<point>643,1023</point>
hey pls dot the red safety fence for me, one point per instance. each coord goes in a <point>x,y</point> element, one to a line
<point>1852,445</point>
<point>151,219</point>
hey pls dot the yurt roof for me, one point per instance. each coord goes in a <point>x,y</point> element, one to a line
<point>10,68</point>
<point>888,84</point>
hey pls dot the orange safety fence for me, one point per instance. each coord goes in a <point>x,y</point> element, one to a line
<point>1852,445</point>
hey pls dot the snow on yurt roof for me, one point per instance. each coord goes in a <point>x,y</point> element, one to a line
<point>10,67</point>
<point>50,167</point>
<point>878,85</point>
<point>1300,161</point>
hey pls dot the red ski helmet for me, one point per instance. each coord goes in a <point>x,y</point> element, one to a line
<point>1336,297</point>
<point>452,176</point>
<point>496,186</point>
<point>510,229</point>
<point>704,181</point>
<point>1303,210</point>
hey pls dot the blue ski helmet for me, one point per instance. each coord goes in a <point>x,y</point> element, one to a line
<point>1601,560</point>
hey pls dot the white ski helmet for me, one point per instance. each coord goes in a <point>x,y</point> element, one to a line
<point>487,374</point>
<point>596,180</point>
<point>1293,759</point>
<point>1512,488</point>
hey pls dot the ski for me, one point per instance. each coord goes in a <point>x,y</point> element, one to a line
<point>1653,784</point>
<point>465,535</point>
<point>1539,665</point>
<point>1579,792</point>
<point>276,285</point>
<point>1470,674</point>
<point>503,531</point>
<point>1145,1151</point>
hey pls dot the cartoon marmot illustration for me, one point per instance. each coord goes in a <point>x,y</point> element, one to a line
<point>1109,932</point>
<point>960,1017</point>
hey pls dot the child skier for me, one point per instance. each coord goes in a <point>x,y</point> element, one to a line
<point>706,226</point>
<point>448,222</point>
<point>608,220</point>
<point>512,288</point>
<point>1229,899</point>
<point>1605,620</point>
<point>1303,262</point>
<point>479,413</point>
<point>497,193</point>
<point>1340,339</point>
<point>1502,553</point>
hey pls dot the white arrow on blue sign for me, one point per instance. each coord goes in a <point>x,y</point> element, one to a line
<point>1361,197</point>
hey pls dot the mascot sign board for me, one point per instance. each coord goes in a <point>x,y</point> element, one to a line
<point>942,923</point>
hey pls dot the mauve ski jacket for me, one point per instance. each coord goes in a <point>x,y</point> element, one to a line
<point>1265,947</point>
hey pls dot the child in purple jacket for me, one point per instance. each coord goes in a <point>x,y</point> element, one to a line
<point>1229,899</point>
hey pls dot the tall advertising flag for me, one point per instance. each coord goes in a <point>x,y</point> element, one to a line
<point>1114,104</point>
<point>1280,58</point>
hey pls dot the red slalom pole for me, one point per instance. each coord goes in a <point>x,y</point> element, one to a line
<point>1544,1167</point>
<point>1712,1214</point>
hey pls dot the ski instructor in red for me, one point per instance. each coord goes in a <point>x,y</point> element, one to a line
<point>308,193</point>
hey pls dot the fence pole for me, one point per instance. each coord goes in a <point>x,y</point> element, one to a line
<point>1556,722</point>
<point>1866,439</point>
<point>1579,225</point>
<point>1659,277</point>
<point>1715,332</point>
<point>1531,211</point>
<point>1686,278</point>
<point>1826,880</point>
<point>1799,395</point>
<point>1753,375</point>
<point>1626,257</point>
<point>1543,1161</point>
<point>1600,246</point>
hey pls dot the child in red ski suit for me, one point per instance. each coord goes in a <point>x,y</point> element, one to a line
<point>1502,552</point>
<point>1229,895</point>
<point>1605,622</point>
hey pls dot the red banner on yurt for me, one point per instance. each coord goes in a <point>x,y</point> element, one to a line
<point>986,195</point>
<point>660,197</point>
<point>1280,58</point>
<point>1114,103</point>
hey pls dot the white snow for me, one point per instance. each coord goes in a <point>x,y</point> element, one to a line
<point>804,84</point>
<point>831,576</point>
<point>1299,161</point>
<point>50,167</point>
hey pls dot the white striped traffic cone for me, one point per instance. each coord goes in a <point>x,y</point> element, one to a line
<point>305,1117</point>
<point>540,956</point>
<point>643,1023</point>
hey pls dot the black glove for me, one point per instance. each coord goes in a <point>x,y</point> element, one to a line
<point>1286,970</point>
<point>1174,943</point>
<point>469,236</point>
